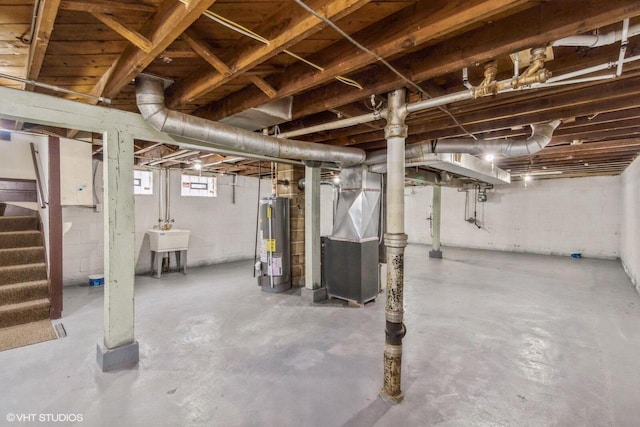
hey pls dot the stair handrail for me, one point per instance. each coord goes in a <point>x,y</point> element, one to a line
<point>35,156</point>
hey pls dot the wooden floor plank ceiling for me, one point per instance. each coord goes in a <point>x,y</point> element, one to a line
<point>97,47</point>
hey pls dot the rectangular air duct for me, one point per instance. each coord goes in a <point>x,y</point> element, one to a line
<point>267,115</point>
<point>464,165</point>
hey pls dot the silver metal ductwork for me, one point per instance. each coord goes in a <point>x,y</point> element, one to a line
<point>350,254</point>
<point>150,100</point>
<point>540,137</point>
<point>357,215</point>
<point>264,116</point>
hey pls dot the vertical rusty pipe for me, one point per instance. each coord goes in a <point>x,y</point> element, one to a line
<point>395,241</point>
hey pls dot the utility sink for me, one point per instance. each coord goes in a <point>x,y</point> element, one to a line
<point>169,240</point>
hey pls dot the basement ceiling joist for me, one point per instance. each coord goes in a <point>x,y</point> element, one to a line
<point>97,47</point>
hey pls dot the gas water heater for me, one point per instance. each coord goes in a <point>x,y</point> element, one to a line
<point>274,267</point>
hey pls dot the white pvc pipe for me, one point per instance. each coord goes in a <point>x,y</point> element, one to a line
<point>581,80</point>
<point>338,124</point>
<point>441,100</point>
<point>465,78</point>
<point>597,40</point>
<point>578,73</point>
<point>623,46</point>
<point>455,97</point>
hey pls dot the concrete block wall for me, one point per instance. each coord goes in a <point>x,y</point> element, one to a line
<point>559,216</point>
<point>83,248</point>
<point>630,222</point>
<point>220,230</point>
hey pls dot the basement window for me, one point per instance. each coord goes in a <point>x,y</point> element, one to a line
<point>199,186</point>
<point>143,182</point>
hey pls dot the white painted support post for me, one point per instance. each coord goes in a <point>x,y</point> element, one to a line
<point>119,350</point>
<point>435,222</point>
<point>395,240</point>
<point>313,290</point>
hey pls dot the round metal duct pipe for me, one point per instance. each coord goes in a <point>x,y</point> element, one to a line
<point>150,100</point>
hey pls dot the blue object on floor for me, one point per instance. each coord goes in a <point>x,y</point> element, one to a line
<point>576,255</point>
<point>96,280</point>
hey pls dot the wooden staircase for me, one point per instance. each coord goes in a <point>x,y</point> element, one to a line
<point>24,286</point>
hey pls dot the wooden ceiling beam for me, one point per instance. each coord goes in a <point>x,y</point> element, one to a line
<point>42,34</point>
<point>200,47</point>
<point>597,135</point>
<point>592,146</point>
<point>132,36</point>
<point>592,128</point>
<point>588,154</point>
<point>148,148</point>
<point>103,6</point>
<point>265,87</point>
<point>283,29</point>
<point>441,128</point>
<point>401,32</point>
<point>546,22</point>
<point>172,19</point>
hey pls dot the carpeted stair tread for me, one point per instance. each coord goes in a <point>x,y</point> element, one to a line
<point>29,333</point>
<point>20,239</point>
<point>17,256</point>
<point>25,291</point>
<point>22,273</point>
<point>24,312</point>
<point>18,223</point>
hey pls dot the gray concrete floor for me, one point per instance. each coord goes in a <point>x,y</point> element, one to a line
<point>494,339</point>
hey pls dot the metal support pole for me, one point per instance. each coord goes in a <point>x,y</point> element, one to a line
<point>396,240</point>
<point>436,211</point>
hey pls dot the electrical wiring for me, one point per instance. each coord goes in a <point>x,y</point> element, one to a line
<point>234,26</point>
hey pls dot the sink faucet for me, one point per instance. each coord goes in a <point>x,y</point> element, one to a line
<point>165,225</point>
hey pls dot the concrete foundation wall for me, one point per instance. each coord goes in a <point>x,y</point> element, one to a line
<point>630,222</point>
<point>558,216</point>
<point>220,230</point>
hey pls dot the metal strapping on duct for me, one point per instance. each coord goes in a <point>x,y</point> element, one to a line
<point>540,136</point>
<point>150,100</point>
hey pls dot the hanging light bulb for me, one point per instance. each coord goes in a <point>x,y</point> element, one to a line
<point>197,164</point>
<point>489,157</point>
